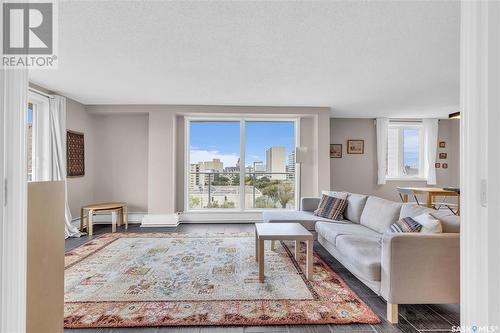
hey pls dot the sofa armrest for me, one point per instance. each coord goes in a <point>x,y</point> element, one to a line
<point>420,268</point>
<point>309,204</point>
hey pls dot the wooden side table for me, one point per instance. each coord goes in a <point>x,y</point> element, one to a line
<point>283,231</point>
<point>120,207</point>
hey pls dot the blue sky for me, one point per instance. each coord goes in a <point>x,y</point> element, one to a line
<point>29,116</point>
<point>222,140</point>
<point>411,147</point>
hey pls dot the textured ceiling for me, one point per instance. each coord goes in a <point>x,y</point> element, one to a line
<point>362,59</point>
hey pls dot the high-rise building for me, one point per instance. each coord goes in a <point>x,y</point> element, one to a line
<point>215,165</point>
<point>291,166</point>
<point>276,162</point>
<point>259,166</point>
<point>194,176</point>
<point>198,171</point>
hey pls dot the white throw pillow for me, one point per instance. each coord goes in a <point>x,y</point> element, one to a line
<point>430,224</point>
<point>336,194</point>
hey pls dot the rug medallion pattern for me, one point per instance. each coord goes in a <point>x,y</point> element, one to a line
<point>159,279</point>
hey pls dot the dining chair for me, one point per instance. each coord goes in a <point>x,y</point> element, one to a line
<point>454,208</point>
<point>402,191</point>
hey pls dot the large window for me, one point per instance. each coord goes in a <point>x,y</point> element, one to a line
<point>241,164</point>
<point>405,151</point>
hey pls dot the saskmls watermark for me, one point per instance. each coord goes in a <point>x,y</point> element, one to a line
<point>29,34</point>
<point>474,329</point>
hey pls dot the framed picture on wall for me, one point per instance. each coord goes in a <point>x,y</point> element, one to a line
<point>443,156</point>
<point>336,150</point>
<point>442,144</point>
<point>75,154</point>
<point>445,165</point>
<point>437,165</point>
<point>355,146</point>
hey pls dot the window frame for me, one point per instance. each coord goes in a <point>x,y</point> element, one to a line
<point>242,119</point>
<point>401,126</point>
<point>40,139</point>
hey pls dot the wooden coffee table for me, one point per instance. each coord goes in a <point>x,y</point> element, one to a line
<point>283,231</point>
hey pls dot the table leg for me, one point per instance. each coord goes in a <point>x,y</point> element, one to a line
<point>125,216</point>
<point>309,261</point>
<point>429,200</point>
<point>297,250</point>
<point>261,260</point>
<point>90,222</point>
<point>114,220</point>
<point>81,219</point>
<point>256,246</point>
<point>119,217</point>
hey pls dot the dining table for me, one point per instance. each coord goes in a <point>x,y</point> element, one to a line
<point>431,192</point>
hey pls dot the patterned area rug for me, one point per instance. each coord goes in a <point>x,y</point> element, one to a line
<point>158,279</point>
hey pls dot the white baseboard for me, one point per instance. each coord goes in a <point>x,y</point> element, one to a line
<point>160,220</point>
<point>151,220</point>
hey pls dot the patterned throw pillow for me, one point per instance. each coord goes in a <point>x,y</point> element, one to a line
<point>406,224</point>
<point>331,208</point>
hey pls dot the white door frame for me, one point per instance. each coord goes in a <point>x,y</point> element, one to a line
<point>480,164</point>
<point>13,238</point>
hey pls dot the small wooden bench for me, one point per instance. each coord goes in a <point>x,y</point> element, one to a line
<point>119,207</point>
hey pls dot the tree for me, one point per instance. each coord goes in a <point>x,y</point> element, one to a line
<point>264,202</point>
<point>220,180</point>
<point>235,180</point>
<point>285,193</point>
<point>194,202</point>
<point>279,191</point>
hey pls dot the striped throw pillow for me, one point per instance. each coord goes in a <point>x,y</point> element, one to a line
<point>331,208</point>
<point>406,224</point>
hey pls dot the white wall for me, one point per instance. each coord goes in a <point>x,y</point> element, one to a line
<point>81,189</point>
<point>165,160</point>
<point>121,159</point>
<point>358,173</point>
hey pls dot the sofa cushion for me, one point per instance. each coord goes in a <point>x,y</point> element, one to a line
<point>379,213</point>
<point>307,219</point>
<point>430,223</point>
<point>449,221</point>
<point>363,253</point>
<point>331,231</point>
<point>331,207</point>
<point>355,205</point>
<point>406,224</point>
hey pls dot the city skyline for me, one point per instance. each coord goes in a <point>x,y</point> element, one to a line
<point>221,140</point>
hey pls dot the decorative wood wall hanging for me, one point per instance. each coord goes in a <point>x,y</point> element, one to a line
<point>75,154</point>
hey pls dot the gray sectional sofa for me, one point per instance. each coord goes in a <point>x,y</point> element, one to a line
<point>403,268</point>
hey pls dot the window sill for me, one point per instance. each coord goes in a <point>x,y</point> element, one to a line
<point>406,179</point>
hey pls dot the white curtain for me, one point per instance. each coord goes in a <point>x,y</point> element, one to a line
<point>57,132</point>
<point>431,138</point>
<point>382,130</point>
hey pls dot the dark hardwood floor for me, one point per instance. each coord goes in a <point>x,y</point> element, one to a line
<point>412,318</point>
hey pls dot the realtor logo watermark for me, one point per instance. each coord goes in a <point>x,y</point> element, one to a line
<point>29,34</point>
